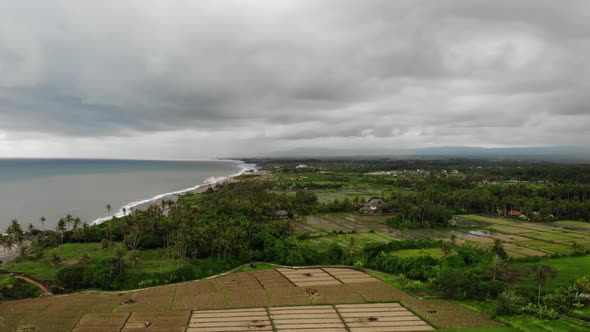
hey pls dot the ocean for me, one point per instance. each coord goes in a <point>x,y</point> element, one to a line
<point>53,188</point>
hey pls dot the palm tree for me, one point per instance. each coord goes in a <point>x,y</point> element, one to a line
<point>61,228</point>
<point>351,245</point>
<point>85,230</point>
<point>497,267</point>
<point>134,257</point>
<point>120,252</point>
<point>498,248</point>
<point>16,233</point>
<point>4,242</point>
<point>542,274</point>
<point>69,220</point>
<point>7,243</point>
<point>30,228</point>
<point>42,219</point>
<point>84,259</point>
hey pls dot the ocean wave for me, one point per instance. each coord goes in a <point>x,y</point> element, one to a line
<point>243,167</point>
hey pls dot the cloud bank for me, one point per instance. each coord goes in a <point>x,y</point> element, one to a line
<point>198,79</point>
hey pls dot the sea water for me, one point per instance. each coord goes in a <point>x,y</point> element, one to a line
<point>53,188</point>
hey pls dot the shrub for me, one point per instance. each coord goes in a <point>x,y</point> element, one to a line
<point>72,277</point>
<point>509,303</point>
<point>11,287</point>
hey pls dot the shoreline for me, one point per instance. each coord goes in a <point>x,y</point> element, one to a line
<point>208,183</point>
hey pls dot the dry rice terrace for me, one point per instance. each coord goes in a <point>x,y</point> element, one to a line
<point>296,300</point>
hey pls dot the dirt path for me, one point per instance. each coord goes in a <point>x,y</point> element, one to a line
<point>30,280</point>
<point>46,291</point>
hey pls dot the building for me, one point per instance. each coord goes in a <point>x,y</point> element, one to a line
<point>373,206</point>
<point>517,213</point>
<point>376,202</point>
<point>281,214</point>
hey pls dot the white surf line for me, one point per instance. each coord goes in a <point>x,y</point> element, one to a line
<point>209,181</point>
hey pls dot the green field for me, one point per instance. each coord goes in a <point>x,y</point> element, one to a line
<point>349,185</point>
<point>568,270</point>
<point>45,269</point>
<point>483,329</point>
<point>527,323</point>
<point>348,241</point>
<point>549,238</point>
<point>432,252</point>
<point>533,324</point>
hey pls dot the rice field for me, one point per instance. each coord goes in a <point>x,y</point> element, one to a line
<point>354,242</point>
<point>292,300</point>
<point>341,222</point>
<point>108,322</point>
<point>256,319</point>
<point>381,317</point>
<point>519,238</point>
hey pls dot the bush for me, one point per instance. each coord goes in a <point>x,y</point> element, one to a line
<point>15,288</point>
<point>541,311</point>
<point>334,254</point>
<point>72,277</point>
<point>184,273</point>
<point>509,303</point>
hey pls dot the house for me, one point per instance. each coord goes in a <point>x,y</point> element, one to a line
<point>373,206</point>
<point>368,209</point>
<point>281,214</point>
<point>500,212</point>
<point>376,202</point>
<point>301,166</point>
<point>516,213</point>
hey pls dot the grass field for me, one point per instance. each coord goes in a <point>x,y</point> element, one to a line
<point>527,322</point>
<point>483,329</point>
<point>533,324</point>
<point>432,252</point>
<point>569,269</point>
<point>45,269</point>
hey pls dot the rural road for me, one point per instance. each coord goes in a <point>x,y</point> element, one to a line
<point>31,281</point>
<point>36,283</point>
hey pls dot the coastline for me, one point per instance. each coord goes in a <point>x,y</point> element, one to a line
<point>208,183</point>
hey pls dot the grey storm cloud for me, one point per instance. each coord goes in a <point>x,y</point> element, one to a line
<point>327,72</point>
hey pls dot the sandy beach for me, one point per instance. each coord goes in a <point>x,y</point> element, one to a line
<point>203,188</point>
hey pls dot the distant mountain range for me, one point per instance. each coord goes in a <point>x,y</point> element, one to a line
<point>549,153</point>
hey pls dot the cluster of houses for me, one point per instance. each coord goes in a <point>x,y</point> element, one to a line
<point>519,214</point>
<point>374,206</point>
<point>411,173</point>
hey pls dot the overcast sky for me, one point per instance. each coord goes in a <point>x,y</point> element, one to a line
<point>200,79</point>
